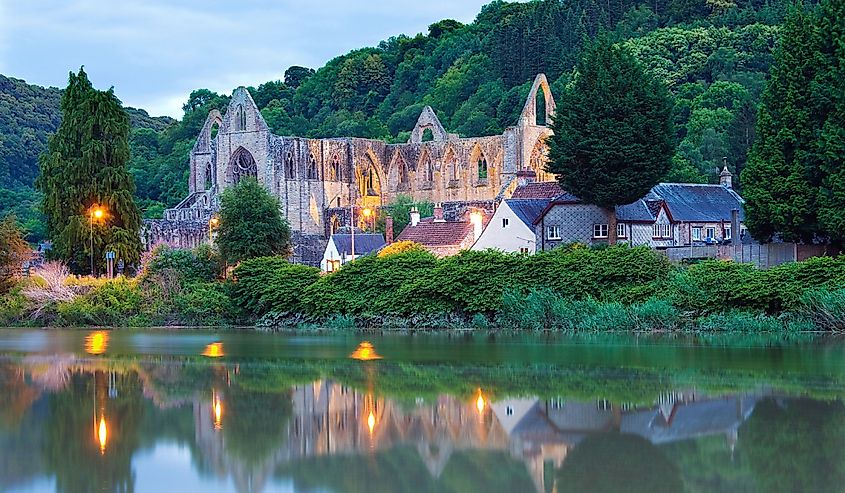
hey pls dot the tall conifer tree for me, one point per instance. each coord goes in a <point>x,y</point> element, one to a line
<point>781,180</point>
<point>86,165</point>
<point>831,146</point>
<point>613,136</point>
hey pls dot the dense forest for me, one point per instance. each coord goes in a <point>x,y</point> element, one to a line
<point>714,55</point>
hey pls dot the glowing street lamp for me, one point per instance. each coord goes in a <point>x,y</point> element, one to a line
<point>213,223</point>
<point>367,214</point>
<point>97,213</point>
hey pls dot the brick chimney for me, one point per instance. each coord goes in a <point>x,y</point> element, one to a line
<point>438,213</point>
<point>415,216</point>
<point>726,178</point>
<point>525,176</point>
<point>388,229</point>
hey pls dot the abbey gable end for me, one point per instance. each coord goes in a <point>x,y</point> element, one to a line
<point>318,181</point>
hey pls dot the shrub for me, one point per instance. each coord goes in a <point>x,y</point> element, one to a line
<point>272,284</point>
<point>400,247</point>
<point>110,303</point>
<point>738,321</point>
<point>205,303</point>
<point>826,309</point>
<point>199,265</point>
<point>655,314</point>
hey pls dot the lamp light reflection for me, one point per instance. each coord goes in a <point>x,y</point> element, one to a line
<point>214,350</point>
<point>102,434</point>
<point>480,403</point>
<point>371,422</point>
<point>365,352</point>
<point>97,342</point>
<point>218,412</point>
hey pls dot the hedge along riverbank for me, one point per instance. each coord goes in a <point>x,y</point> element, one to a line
<point>570,288</point>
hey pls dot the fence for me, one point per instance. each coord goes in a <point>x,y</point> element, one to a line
<point>761,255</point>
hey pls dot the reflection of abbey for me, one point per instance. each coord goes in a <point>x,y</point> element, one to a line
<point>317,180</point>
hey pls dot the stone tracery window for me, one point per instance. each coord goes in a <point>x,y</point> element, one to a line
<point>290,166</point>
<point>335,170</point>
<point>313,171</point>
<point>243,165</point>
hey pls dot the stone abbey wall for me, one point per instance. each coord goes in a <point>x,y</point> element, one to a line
<point>316,179</point>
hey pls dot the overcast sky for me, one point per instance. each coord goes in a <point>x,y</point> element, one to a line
<point>154,52</point>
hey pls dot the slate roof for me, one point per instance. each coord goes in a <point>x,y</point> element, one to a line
<point>430,233</point>
<point>538,190</point>
<point>365,243</point>
<point>527,210</point>
<point>639,211</point>
<point>705,203</point>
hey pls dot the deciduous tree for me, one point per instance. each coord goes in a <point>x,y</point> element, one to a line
<point>251,224</point>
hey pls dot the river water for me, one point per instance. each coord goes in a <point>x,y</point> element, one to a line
<point>184,411</point>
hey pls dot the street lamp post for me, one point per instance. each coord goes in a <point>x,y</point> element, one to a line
<point>96,212</point>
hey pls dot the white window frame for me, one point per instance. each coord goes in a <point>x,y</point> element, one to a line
<point>695,235</point>
<point>661,231</point>
<point>707,232</point>
<point>600,231</point>
<point>553,232</point>
<point>621,230</point>
<point>728,233</point>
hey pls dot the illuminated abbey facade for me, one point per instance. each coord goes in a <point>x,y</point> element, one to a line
<point>318,180</point>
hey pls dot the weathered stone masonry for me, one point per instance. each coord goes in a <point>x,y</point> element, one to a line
<point>317,180</point>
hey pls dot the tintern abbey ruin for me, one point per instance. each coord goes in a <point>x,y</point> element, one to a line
<point>321,181</point>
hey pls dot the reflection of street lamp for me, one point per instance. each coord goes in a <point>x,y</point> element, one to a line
<point>96,213</point>
<point>212,224</point>
<point>217,408</point>
<point>480,403</point>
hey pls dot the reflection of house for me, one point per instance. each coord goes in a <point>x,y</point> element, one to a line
<point>340,247</point>
<point>672,214</point>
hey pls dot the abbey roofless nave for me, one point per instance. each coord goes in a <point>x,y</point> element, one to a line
<point>317,179</point>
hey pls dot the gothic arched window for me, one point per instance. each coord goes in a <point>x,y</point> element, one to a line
<point>313,172</point>
<point>209,181</point>
<point>242,165</point>
<point>335,171</point>
<point>482,168</point>
<point>290,166</point>
<point>240,118</point>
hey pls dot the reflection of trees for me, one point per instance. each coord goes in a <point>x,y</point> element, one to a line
<point>618,462</point>
<point>401,470</point>
<point>796,445</point>
<point>21,430</point>
<point>254,422</point>
<point>72,454</point>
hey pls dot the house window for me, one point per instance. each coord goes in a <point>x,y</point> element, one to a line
<point>728,235</point>
<point>696,234</point>
<point>621,230</point>
<point>710,233</point>
<point>661,231</point>
<point>332,265</point>
<point>599,230</point>
<point>509,411</point>
<point>552,232</point>
<point>505,222</point>
<point>524,250</point>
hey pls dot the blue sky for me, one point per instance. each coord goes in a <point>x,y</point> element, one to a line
<point>154,52</point>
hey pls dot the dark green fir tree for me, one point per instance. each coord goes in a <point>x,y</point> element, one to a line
<point>85,168</point>
<point>613,134</point>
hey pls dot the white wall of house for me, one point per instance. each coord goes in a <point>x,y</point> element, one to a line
<point>507,232</point>
<point>331,254</point>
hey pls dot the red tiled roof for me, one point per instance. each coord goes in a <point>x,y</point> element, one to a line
<point>429,233</point>
<point>538,190</point>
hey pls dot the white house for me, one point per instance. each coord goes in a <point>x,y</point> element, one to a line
<point>339,249</point>
<point>511,229</point>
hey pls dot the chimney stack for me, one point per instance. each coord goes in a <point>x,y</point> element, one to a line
<point>726,178</point>
<point>388,229</point>
<point>736,228</point>
<point>415,216</point>
<point>438,213</point>
<point>525,176</point>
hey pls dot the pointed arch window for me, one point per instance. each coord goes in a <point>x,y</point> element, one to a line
<point>313,172</point>
<point>209,180</point>
<point>242,165</point>
<point>481,164</point>
<point>403,172</point>
<point>240,118</point>
<point>335,170</point>
<point>290,166</point>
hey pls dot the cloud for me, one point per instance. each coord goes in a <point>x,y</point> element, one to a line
<point>154,52</point>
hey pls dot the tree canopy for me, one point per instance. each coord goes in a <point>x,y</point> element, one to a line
<point>613,136</point>
<point>251,224</point>
<point>85,166</point>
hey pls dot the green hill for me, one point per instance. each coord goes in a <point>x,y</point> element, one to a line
<point>714,54</point>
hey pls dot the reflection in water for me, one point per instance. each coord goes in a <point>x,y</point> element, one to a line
<point>343,437</point>
<point>365,352</point>
<point>214,350</point>
<point>97,342</point>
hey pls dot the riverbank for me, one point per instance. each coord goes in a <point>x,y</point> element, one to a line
<point>571,289</point>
